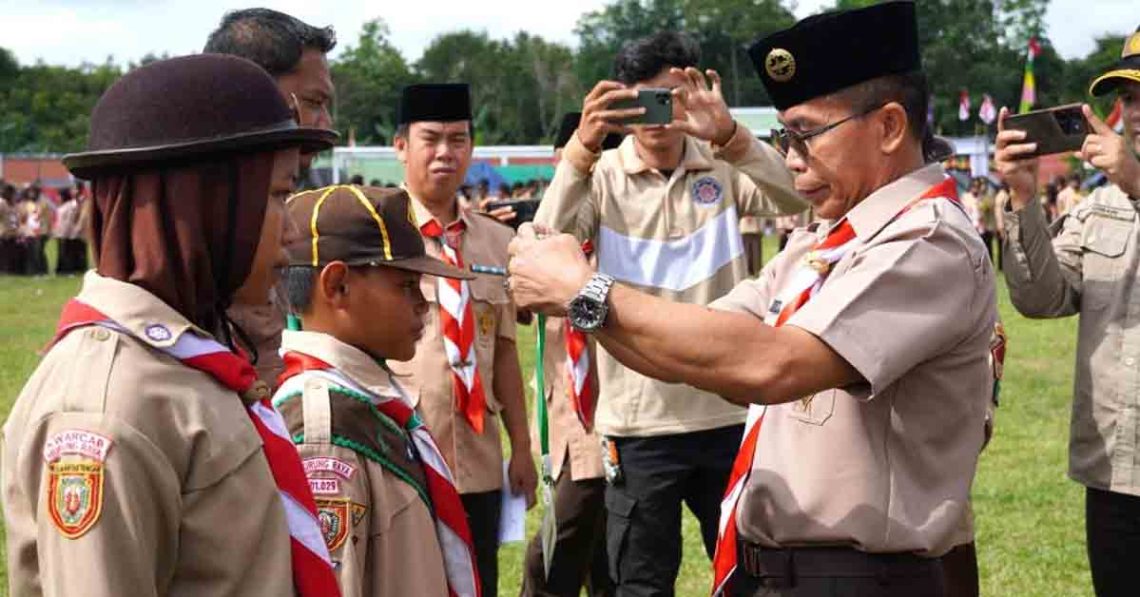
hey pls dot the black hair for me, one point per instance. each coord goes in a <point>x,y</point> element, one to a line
<point>910,90</point>
<point>357,180</point>
<point>272,39</point>
<point>299,281</point>
<point>645,58</point>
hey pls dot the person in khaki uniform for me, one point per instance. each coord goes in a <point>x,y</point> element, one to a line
<point>465,374</point>
<point>1089,268</point>
<point>133,460</point>
<point>576,457</point>
<point>389,512</point>
<point>294,54</point>
<point>855,476</point>
<point>663,213</point>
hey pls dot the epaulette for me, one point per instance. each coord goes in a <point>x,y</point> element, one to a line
<point>356,424</point>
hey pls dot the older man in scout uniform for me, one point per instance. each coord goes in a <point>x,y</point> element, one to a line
<point>1089,268</point>
<point>575,453</point>
<point>663,213</point>
<point>294,54</point>
<point>855,476</point>
<point>143,457</point>
<point>466,369</point>
<point>387,503</point>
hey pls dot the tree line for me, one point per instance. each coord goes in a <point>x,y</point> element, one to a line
<point>522,85</point>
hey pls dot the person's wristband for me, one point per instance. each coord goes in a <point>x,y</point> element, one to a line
<point>728,140</point>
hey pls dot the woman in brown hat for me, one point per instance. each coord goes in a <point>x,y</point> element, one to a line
<point>143,457</point>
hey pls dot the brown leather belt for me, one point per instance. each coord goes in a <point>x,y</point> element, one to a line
<point>822,562</point>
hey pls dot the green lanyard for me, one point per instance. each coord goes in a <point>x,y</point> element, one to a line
<point>540,398</point>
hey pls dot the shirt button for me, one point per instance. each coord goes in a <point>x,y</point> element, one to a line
<point>101,334</point>
<point>1130,361</point>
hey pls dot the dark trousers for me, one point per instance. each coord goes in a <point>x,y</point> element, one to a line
<point>8,256</point>
<point>960,571</point>
<point>71,257</point>
<point>836,572</point>
<point>579,549</point>
<point>483,513</point>
<point>753,252</point>
<point>1112,527</point>
<point>35,259</point>
<point>643,524</point>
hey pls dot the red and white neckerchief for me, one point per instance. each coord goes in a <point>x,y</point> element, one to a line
<point>312,567</point>
<point>804,284</point>
<point>578,367</point>
<point>457,320</point>
<point>447,510</point>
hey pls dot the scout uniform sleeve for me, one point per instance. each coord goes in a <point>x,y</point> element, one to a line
<point>922,289</point>
<point>571,202</point>
<point>98,487</point>
<point>764,185</point>
<point>1043,273</point>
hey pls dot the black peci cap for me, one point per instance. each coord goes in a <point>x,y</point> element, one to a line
<point>435,102</point>
<point>831,51</point>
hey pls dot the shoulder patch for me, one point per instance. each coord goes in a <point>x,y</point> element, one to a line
<point>325,464</point>
<point>334,516</point>
<point>74,458</point>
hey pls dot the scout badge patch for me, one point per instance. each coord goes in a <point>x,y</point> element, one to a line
<point>334,515</point>
<point>707,191</point>
<point>549,529</point>
<point>75,480</point>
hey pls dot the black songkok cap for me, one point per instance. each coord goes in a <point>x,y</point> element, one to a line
<point>435,102</point>
<point>569,124</point>
<point>828,52</point>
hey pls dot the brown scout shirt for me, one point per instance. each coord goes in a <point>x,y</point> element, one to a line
<point>884,466</point>
<point>676,237</point>
<point>377,526</point>
<point>476,460</point>
<point>175,496</point>
<point>1089,268</point>
<point>569,439</point>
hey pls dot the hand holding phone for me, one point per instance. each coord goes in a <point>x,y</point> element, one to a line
<point>600,117</point>
<point>1112,154</point>
<point>1053,130</point>
<point>657,105</point>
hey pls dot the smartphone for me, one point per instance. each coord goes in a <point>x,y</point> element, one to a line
<point>525,209</point>
<point>1054,130</point>
<point>658,104</point>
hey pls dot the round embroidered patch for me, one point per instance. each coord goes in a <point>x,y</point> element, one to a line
<point>707,191</point>
<point>157,332</point>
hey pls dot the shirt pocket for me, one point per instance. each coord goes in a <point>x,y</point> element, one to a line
<point>1103,244</point>
<point>488,297</point>
<point>815,410</point>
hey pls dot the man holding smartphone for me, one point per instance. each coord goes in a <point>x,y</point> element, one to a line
<point>1089,268</point>
<point>663,211</point>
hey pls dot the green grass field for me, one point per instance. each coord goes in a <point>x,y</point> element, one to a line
<point>1029,516</point>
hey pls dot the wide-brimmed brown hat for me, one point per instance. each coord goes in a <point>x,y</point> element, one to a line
<point>1127,69</point>
<point>361,226</point>
<point>185,108</point>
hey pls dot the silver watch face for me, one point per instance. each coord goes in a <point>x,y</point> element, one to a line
<point>587,314</point>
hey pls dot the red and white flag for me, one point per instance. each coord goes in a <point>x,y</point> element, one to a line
<point>987,112</point>
<point>964,106</point>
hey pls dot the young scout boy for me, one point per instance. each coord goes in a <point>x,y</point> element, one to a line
<point>387,503</point>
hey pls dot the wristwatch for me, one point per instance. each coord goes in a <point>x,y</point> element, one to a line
<point>588,311</point>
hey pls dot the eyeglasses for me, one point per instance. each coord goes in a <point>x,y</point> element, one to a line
<point>785,139</point>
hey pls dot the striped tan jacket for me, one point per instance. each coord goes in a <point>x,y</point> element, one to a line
<point>677,237</point>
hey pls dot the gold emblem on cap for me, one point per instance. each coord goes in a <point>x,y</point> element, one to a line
<point>780,65</point>
<point>1132,46</point>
